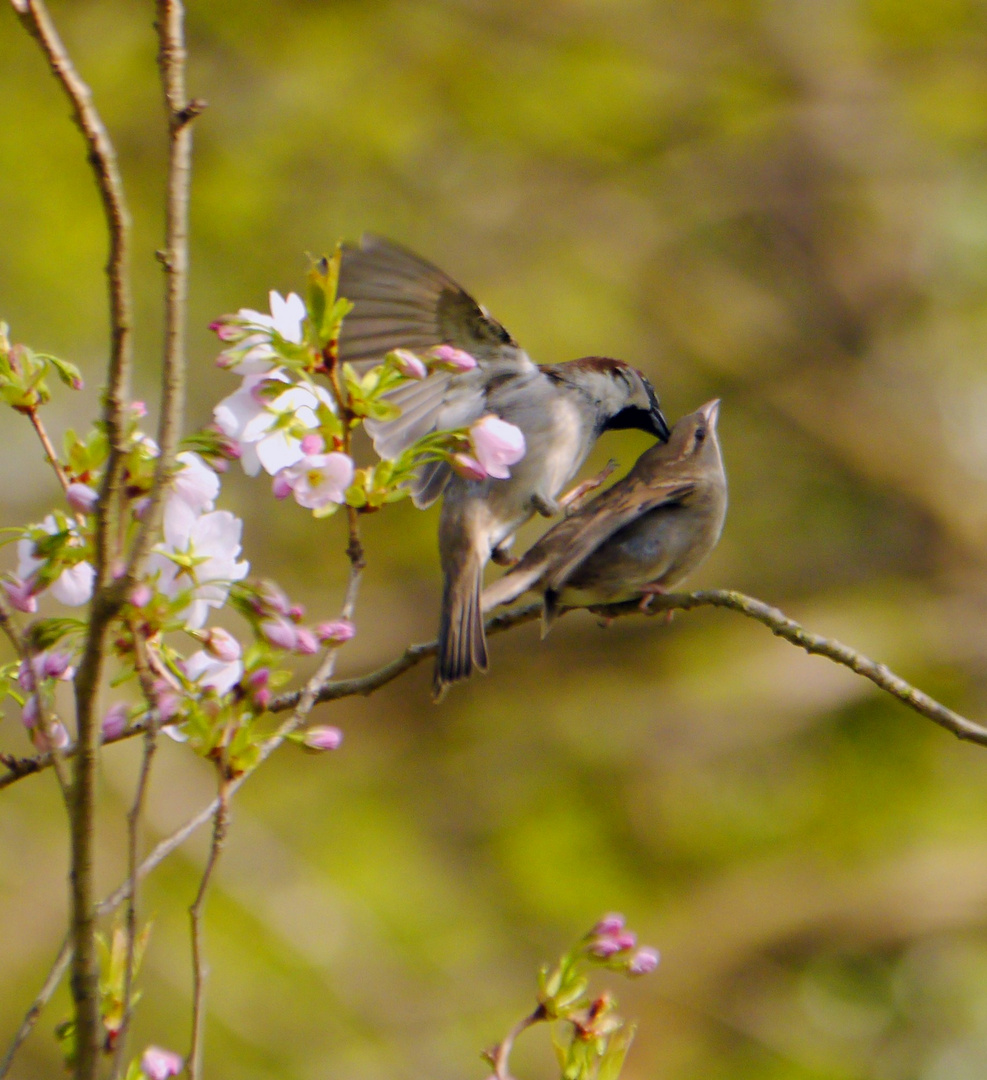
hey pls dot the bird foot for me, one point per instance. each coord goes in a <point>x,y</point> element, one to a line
<point>649,592</point>
<point>544,505</point>
<point>502,557</point>
<point>574,498</point>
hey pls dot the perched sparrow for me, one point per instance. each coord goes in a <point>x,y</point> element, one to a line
<point>641,536</point>
<point>401,301</point>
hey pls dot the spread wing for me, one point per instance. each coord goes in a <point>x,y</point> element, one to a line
<point>619,506</point>
<point>401,301</point>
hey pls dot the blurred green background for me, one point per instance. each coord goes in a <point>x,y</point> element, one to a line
<point>782,204</point>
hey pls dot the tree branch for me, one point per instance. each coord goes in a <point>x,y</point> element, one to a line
<point>102,157</point>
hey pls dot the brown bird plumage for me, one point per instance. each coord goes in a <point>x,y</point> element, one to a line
<point>643,535</point>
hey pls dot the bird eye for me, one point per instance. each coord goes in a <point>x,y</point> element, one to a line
<point>700,434</point>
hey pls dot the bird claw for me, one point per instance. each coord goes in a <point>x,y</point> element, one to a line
<point>573,499</point>
<point>502,557</point>
<point>544,505</point>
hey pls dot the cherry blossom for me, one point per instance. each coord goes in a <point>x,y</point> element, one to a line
<point>73,587</point>
<point>317,479</point>
<point>158,1064</point>
<point>249,333</point>
<point>211,673</point>
<point>453,359</point>
<point>82,498</point>
<point>195,483</point>
<point>199,555</point>
<point>408,364</point>
<point>322,738</point>
<point>497,445</point>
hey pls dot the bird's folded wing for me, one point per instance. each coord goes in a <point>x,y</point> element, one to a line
<point>605,516</point>
<point>401,301</point>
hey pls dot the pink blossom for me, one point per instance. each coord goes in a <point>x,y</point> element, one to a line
<point>56,665</point>
<point>141,595</point>
<point>21,595</point>
<point>313,444</point>
<point>610,924</point>
<point>167,700</point>
<point>57,737</point>
<point>221,644</point>
<point>453,359</point>
<point>468,467</point>
<point>643,961</point>
<point>158,1064</point>
<point>74,586</point>
<point>306,643</point>
<point>281,633</point>
<point>211,673</point>
<point>497,444</point>
<point>195,483</point>
<point>322,738</point>
<point>238,409</point>
<point>338,630</point>
<point>409,365</point>
<point>250,332</point>
<point>320,479</point>
<point>82,498</point>
<point>115,721</point>
<point>281,485</point>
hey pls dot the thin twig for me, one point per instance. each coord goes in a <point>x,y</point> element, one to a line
<point>498,1055</point>
<point>146,678</point>
<point>102,157</point>
<point>58,969</point>
<point>38,424</point>
<point>174,257</point>
<point>199,969</point>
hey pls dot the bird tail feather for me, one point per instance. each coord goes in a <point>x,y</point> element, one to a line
<point>462,641</point>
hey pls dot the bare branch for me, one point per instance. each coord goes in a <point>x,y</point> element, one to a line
<point>498,1056</point>
<point>199,969</point>
<point>106,596</point>
<point>175,260</point>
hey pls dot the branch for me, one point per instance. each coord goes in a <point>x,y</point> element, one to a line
<point>102,156</point>
<point>199,970</point>
<point>175,260</point>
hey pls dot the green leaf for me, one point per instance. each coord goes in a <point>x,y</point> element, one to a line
<point>616,1052</point>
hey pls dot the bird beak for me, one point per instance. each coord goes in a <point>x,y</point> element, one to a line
<point>711,411</point>
<point>659,424</point>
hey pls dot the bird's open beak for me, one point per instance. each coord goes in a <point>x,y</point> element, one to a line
<point>711,411</point>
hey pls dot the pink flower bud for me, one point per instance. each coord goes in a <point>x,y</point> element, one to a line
<point>409,365</point>
<point>21,595</point>
<point>115,721</point>
<point>138,408</point>
<point>296,612</point>
<point>338,630</point>
<point>643,961</point>
<point>453,359</point>
<point>59,738</point>
<point>280,633</point>
<point>604,947</point>
<point>262,698</point>
<point>82,498</point>
<point>221,644</point>
<point>281,485</point>
<point>56,665</point>
<point>626,940</point>
<point>167,700</point>
<point>141,595</point>
<point>322,738</point>
<point>29,711</point>
<point>307,644</point>
<point>468,467</point>
<point>259,678</point>
<point>610,924</point>
<point>497,444</point>
<point>158,1064</point>
<point>313,443</point>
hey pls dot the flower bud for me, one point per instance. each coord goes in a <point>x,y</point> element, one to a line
<point>450,358</point>
<point>337,630</point>
<point>610,924</point>
<point>158,1064</point>
<point>82,498</point>
<point>306,644</point>
<point>115,721</point>
<point>409,365</point>
<point>21,595</point>
<point>221,644</point>
<point>468,467</point>
<point>29,711</point>
<point>141,595</point>
<point>313,443</point>
<point>281,485</point>
<point>280,633</point>
<point>643,961</point>
<point>56,665</point>
<point>322,738</point>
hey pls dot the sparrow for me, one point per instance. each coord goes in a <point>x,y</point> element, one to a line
<point>641,536</point>
<point>401,301</point>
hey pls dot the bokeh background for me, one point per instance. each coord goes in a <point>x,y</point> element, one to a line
<point>783,204</point>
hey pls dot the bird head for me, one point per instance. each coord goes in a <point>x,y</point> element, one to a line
<point>626,398</point>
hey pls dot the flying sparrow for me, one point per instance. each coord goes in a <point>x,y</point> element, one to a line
<point>401,301</point>
<point>641,536</point>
